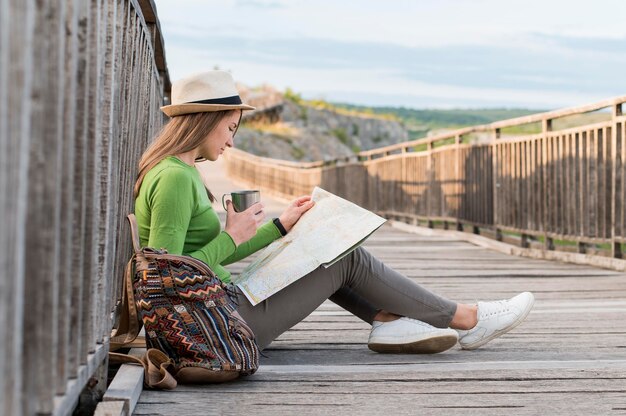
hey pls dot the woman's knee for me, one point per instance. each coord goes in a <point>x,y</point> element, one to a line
<point>359,266</point>
<point>359,254</point>
<point>363,258</point>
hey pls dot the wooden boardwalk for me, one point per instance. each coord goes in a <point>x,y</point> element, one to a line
<point>569,357</point>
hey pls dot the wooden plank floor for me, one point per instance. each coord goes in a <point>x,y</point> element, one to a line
<point>569,357</point>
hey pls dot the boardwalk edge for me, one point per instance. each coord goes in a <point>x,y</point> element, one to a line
<point>127,385</point>
<point>574,258</point>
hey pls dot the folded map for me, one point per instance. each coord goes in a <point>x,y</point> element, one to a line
<point>323,235</point>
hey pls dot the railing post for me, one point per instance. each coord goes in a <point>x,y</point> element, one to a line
<point>616,246</point>
<point>546,126</point>
<point>429,166</point>
<point>495,185</point>
<point>457,177</point>
<point>524,241</point>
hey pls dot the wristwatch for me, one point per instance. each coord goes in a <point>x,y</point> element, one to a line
<point>280,227</point>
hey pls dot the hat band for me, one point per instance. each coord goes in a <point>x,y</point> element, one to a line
<point>232,100</point>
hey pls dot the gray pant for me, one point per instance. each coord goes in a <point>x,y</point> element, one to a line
<point>359,283</point>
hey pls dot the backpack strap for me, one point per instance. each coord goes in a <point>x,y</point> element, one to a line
<point>129,324</point>
<point>134,233</point>
<point>157,368</point>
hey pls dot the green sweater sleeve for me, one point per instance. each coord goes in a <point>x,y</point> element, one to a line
<point>265,234</point>
<point>172,201</point>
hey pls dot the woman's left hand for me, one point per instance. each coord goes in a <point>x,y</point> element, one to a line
<point>294,211</point>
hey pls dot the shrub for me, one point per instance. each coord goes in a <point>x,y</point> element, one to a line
<point>293,96</point>
<point>341,134</point>
<point>297,152</point>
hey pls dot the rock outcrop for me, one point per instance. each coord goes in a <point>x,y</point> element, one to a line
<point>283,129</point>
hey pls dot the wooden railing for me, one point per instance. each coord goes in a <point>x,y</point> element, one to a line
<point>556,188</point>
<point>81,83</point>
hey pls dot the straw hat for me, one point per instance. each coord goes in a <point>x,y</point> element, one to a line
<point>207,91</point>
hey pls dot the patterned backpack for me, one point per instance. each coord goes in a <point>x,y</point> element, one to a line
<point>193,331</point>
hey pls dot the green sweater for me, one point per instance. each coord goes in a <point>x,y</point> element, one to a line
<point>174,212</point>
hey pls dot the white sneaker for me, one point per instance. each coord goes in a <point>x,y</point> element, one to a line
<point>495,319</point>
<point>410,336</point>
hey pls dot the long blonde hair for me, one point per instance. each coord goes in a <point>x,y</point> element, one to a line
<point>179,135</point>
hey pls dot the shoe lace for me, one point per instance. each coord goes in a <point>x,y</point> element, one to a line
<point>493,308</point>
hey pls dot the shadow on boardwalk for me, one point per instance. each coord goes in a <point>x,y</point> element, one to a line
<point>569,357</point>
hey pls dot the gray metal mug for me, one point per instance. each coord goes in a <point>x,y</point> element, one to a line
<point>242,200</point>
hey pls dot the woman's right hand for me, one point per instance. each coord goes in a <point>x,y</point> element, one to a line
<point>242,226</point>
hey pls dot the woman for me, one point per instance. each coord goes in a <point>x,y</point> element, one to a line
<point>174,211</point>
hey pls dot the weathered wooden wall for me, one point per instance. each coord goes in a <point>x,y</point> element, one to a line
<point>558,188</point>
<point>80,87</point>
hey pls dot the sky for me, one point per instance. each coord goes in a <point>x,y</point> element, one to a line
<point>537,54</point>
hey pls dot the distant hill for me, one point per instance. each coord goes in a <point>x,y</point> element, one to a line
<point>420,122</point>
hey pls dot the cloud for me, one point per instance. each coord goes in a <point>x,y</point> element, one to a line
<point>546,69</point>
<point>384,86</point>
